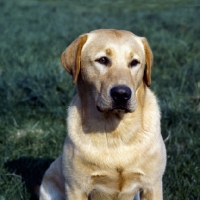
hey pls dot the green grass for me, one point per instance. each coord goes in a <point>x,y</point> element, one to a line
<point>35,90</point>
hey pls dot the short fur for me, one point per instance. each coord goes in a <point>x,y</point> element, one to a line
<point>111,151</point>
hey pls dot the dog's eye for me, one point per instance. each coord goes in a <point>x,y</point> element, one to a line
<point>103,60</point>
<point>134,63</point>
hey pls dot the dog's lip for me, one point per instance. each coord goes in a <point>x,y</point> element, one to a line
<point>121,109</point>
<point>114,109</point>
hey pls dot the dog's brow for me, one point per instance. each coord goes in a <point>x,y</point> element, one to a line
<point>109,52</point>
<point>131,55</point>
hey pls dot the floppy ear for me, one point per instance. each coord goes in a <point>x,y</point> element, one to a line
<point>149,62</point>
<point>71,57</point>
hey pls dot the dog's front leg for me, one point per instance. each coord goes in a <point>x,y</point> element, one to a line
<point>75,193</point>
<point>154,193</point>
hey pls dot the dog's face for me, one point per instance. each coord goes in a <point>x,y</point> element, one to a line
<point>112,64</point>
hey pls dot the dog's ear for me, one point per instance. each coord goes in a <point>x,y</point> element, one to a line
<point>149,62</point>
<point>71,57</point>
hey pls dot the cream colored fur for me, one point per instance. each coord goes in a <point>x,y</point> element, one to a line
<point>109,153</point>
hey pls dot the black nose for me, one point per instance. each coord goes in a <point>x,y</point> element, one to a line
<point>120,93</point>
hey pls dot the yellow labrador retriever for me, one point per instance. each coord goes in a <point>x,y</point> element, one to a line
<point>114,148</point>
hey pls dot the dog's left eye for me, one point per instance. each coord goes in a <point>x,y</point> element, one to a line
<point>103,60</point>
<point>134,63</point>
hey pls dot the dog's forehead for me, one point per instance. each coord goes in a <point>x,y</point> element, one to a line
<point>105,38</point>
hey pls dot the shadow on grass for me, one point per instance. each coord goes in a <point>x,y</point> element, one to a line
<point>31,170</point>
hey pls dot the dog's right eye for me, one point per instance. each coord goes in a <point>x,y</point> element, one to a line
<point>103,60</point>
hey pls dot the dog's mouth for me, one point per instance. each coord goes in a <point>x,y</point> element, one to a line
<point>115,109</point>
<point>121,109</point>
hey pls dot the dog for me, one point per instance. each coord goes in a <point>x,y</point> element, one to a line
<point>114,148</point>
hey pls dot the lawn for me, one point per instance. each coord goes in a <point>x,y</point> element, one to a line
<point>35,90</point>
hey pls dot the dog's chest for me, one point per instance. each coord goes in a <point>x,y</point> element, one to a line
<point>117,181</point>
<point>116,169</point>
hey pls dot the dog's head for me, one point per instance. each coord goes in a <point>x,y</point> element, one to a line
<point>109,66</point>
